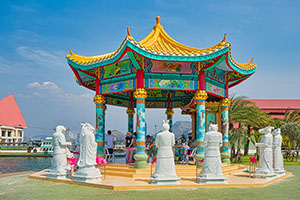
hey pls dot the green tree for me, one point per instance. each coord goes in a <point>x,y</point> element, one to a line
<point>248,117</point>
<point>291,116</point>
<point>292,131</point>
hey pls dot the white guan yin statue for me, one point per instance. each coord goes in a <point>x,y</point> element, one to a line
<point>265,168</point>
<point>165,173</point>
<point>277,154</point>
<point>60,150</point>
<point>87,172</point>
<point>212,166</point>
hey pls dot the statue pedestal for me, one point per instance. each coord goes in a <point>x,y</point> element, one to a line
<point>279,172</point>
<point>57,176</point>
<point>165,181</point>
<point>89,174</point>
<point>211,180</point>
<point>54,174</point>
<point>268,176</point>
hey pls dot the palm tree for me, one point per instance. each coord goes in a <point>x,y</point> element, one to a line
<point>291,131</point>
<point>291,116</point>
<point>257,119</point>
<point>239,113</point>
<point>247,115</point>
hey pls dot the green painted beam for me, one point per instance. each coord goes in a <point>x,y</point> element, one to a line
<point>118,79</point>
<point>133,60</point>
<point>171,76</point>
<point>217,63</point>
<point>216,83</point>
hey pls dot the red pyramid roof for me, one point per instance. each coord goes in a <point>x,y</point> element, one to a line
<point>10,114</point>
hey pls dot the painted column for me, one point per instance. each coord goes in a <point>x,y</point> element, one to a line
<point>105,108</point>
<point>193,125</point>
<point>200,97</point>
<point>140,156</point>
<point>169,111</point>
<point>100,107</point>
<point>225,103</point>
<point>130,112</point>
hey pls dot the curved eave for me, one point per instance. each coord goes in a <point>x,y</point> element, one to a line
<point>144,52</point>
<point>242,68</point>
<point>239,81</point>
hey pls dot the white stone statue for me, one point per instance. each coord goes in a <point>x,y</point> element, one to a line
<point>87,172</point>
<point>265,168</point>
<point>165,173</point>
<point>277,154</point>
<point>212,166</point>
<point>60,151</point>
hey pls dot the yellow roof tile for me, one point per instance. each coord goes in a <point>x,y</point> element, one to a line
<point>159,42</point>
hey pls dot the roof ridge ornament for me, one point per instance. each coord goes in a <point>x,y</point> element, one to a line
<point>158,20</point>
<point>128,31</point>
<point>251,60</point>
<point>224,38</point>
<point>71,52</point>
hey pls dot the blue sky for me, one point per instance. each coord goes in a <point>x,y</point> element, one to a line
<point>35,37</point>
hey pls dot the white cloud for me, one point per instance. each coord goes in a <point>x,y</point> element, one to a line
<point>53,60</point>
<point>53,92</point>
<point>43,86</point>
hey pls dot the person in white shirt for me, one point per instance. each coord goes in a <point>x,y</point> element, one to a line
<point>110,142</point>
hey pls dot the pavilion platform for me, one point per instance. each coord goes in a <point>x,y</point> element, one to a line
<point>126,177</point>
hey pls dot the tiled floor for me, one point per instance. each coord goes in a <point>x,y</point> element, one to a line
<point>238,179</point>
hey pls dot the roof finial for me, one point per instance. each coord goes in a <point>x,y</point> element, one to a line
<point>224,38</point>
<point>128,31</point>
<point>158,20</point>
<point>251,60</point>
<point>70,51</point>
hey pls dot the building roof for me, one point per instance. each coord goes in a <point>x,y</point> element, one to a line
<point>158,42</point>
<point>10,114</point>
<point>277,104</point>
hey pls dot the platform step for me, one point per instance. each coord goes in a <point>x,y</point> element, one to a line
<point>188,171</point>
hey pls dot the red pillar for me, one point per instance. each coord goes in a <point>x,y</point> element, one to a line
<point>139,78</point>
<point>201,80</point>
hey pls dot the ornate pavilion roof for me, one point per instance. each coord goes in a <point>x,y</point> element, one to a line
<point>167,66</point>
<point>158,42</point>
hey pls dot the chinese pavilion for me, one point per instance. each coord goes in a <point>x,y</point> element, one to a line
<point>159,72</point>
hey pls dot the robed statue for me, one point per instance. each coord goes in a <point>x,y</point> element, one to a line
<point>265,168</point>
<point>277,154</point>
<point>87,172</point>
<point>165,173</point>
<point>212,167</point>
<point>60,150</point>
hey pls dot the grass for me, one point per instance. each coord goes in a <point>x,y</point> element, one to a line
<point>245,161</point>
<point>20,187</point>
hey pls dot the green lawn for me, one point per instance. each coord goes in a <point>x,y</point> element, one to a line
<point>245,161</point>
<point>20,187</point>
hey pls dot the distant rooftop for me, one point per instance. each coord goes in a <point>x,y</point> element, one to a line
<point>292,104</point>
<point>10,114</point>
<point>277,107</point>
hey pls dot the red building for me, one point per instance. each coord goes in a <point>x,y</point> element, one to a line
<point>277,107</point>
<point>12,122</point>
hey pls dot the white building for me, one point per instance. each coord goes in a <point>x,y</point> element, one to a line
<point>12,123</point>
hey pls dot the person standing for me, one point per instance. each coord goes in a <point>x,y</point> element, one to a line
<point>110,142</point>
<point>150,148</point>
<point>128,141</point>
